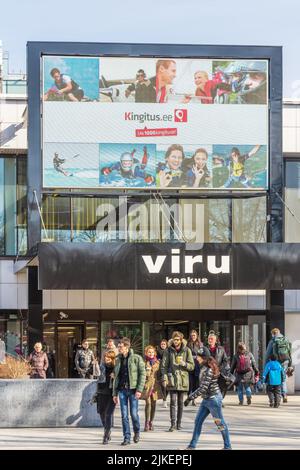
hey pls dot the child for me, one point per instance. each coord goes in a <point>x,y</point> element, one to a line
<point>273,376</point>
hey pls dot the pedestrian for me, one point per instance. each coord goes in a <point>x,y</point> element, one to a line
<point>38,361</point>
<point>110,347</point>
<point>129,382</point>
<point>194,344</point>
<point>152,391</point>
<point>176,364</point>
<point>212,399</point>
<point>281,348</point>
<point>161,348</point>
<point>85,360</point>
<point>160,351</point>
<point>105,403</point>
<point>50,372</point>
<point>273,376</point>
<point>246,372</point>
<point>220,356</point>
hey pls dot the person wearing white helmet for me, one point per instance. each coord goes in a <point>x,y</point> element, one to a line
<point>129,167</point>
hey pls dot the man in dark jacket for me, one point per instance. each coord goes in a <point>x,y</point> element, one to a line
<point>176,364</point>
<point>129,382</point>
<point>84,361</point>
<point>219,354</point>
<point>144,90</point>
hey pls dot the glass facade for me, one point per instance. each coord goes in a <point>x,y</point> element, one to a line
<point>137,219</point>
<point>13,206</point>
<point>292,201</point>
<point>12,333</point>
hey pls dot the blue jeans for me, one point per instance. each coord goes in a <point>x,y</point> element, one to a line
<point>285,366</point>
<point>128,396</point>
<point>236,179</point>
<point>240,391</point>
<point>211,406</point>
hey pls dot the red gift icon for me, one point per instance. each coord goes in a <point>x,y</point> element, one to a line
<point>180,115</point>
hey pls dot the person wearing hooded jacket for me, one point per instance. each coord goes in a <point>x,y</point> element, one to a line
<point>129,381</point>
<point>176,364</point>
<point>212,399</point>
<point>281,347</point>
<point>273,376</point>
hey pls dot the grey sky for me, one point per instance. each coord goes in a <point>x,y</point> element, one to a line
<point>257,22</point>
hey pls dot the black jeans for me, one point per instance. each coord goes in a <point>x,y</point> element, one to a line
<point>106,408</point>
<point>176,395</point>
<point>193,382</point>
<point>274,394</point>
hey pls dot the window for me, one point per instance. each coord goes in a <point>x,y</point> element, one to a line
<point>154,219</point>
<point>292,200</point>
<point>13,206</point>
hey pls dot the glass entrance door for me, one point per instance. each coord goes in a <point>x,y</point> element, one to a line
<point>69,337</point>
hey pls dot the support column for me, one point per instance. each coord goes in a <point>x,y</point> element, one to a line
<point>35,308</point>
<point>275,312</point>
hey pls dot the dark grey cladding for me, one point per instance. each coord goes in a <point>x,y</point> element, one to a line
<point>122,266</point>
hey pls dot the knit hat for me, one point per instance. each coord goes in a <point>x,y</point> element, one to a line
<point>204,353</point>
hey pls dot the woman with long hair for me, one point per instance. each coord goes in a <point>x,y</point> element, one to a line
<point>212,399</point>
<point>152,390</point>
<point>194,343</point>
<point>105,403</point>
<point>246,372</point>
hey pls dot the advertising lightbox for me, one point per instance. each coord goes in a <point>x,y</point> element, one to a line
<point>151,123</point>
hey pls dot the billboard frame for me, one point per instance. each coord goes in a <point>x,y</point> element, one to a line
<point>35,51</point>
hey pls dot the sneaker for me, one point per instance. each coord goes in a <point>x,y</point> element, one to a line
<point>248,400</point>
<point>178,427</point>
<point>172,428</point>
<point>271,405</point>
<point>284,400</point>
<point>190,448</point>
<point>126,442</point>
<point>136,437</point>
<point>241,403</point>
<point>227,448</point>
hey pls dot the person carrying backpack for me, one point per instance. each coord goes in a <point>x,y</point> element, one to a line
<point>273,376</point>
<point>246,371</point>
<point>281,348</point>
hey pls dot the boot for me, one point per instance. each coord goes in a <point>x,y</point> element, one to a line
<point>151,427</point>
<point>106,437</point>
<point>172,427</point>
<point>248,400</point>
<point>178,426</point>
<point>146,428</point>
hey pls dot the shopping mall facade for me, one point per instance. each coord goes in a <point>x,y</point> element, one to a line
<point>57,294</point>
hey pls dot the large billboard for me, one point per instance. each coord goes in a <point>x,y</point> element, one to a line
<point>156,123</point>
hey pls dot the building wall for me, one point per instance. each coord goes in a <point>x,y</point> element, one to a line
<point>292,330</point>
<point>13,287</point>
<point>291,127</point>
<point>154,300</point>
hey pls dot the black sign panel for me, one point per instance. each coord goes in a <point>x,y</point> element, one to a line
<point>169,266</point>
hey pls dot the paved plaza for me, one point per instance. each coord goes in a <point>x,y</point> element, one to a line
<point>251,427</point>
